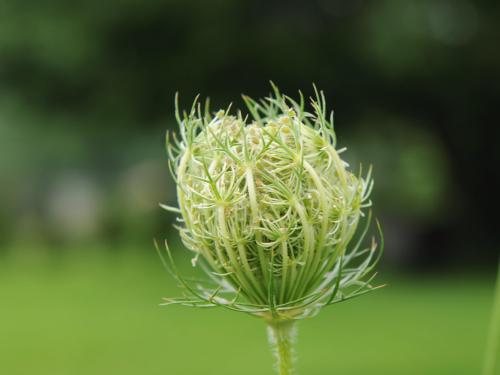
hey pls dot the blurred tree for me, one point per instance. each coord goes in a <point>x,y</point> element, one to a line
<point>87,87</point>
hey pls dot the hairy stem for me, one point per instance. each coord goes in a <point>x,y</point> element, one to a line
<point>282,340</point>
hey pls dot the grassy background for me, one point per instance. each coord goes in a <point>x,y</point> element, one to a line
<point>90,311</point>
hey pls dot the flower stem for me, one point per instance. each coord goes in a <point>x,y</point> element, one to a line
<point>282,340</point>
<point>494,332</point>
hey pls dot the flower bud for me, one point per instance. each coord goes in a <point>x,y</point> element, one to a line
<point>271,208</point>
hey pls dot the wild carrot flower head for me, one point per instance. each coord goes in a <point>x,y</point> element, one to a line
<point>269,208</point>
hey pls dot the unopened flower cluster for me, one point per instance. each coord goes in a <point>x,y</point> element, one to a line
<point>269,208</point>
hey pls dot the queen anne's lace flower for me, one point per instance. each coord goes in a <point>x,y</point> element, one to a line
<point>269,208</point>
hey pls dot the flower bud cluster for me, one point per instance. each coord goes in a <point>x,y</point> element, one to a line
<point>269,205</point>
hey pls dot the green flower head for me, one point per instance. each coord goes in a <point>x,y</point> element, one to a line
<point>269,208</point>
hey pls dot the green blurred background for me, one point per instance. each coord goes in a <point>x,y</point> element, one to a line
<point>86,95</point>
